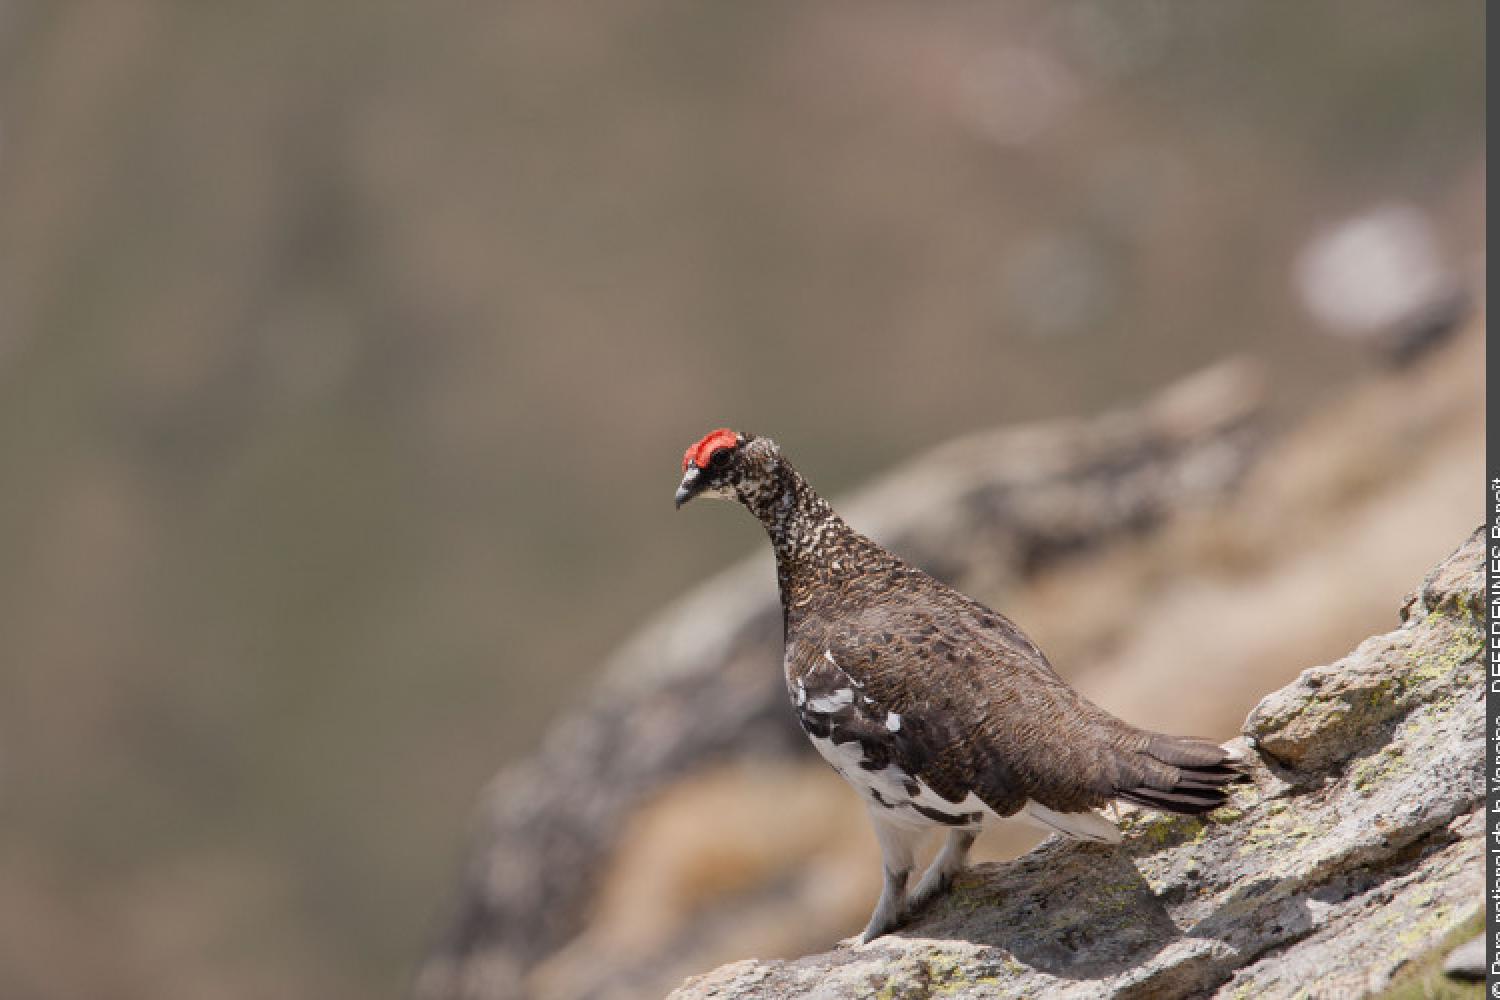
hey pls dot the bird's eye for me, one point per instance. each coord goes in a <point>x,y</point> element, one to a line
<point>719,459</point>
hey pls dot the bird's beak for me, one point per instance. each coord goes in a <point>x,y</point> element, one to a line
<point>690,485</point>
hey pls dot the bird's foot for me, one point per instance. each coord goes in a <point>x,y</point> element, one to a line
<point>879,927</point>
<point>888,916</point>
<point>890,912</point>
<point>938,878</point>
<point>933,884</point>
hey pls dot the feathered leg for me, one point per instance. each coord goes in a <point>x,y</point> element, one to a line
<point>939,875</point>
<point>898,843</point>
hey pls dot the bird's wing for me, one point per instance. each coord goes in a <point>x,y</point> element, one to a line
<point>987,714</point>
<point>900,761</point>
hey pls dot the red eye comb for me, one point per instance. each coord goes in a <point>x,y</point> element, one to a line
<point>700,453</point>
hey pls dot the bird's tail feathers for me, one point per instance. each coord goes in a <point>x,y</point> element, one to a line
<point>1196,779</point>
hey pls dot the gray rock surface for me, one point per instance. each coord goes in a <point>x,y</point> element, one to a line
<point>1355,849</point>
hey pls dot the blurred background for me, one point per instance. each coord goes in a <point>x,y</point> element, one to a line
<point>348,352</point>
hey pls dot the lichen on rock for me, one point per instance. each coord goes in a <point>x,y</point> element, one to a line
<point>1354,850</point>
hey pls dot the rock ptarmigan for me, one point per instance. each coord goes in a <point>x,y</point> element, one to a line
<point>937,710</point>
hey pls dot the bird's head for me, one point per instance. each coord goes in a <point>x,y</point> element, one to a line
<point>721,464</point>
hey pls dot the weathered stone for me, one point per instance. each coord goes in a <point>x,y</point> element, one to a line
<point>1315,722</point>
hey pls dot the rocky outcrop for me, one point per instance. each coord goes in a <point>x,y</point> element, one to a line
<point>1355,849</point>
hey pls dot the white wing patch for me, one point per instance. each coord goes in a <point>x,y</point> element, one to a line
<point>891,790</point>
<point>893,722</point>
<point>833,701</point>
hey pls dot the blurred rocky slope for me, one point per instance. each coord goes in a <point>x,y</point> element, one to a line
<point>1177,560</point>
<point>1354,852</point>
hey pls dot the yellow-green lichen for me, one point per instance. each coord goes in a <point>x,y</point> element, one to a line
<point>948,976</point>
<point>1422,929</point>
<point>1278,829</point>
<point>1117,897</point>
<point>1159,832</point>
<point>1374,769</point>
<point>1465,644</point>
<point>966,893</point>
<point>1226,814</point>
<point>938,973</point>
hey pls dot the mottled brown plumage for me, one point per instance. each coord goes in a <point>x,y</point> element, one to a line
<point>938,710</point>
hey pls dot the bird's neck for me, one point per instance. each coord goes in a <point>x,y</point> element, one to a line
<point>814,547</point>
